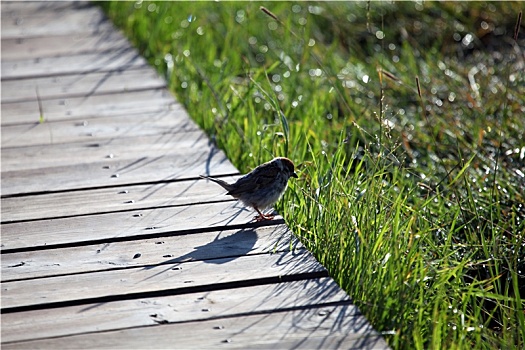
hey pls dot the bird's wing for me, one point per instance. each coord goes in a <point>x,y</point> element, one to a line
<point>260,177</point>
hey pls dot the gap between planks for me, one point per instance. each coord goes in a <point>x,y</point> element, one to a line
<point>180,278</point>
<point>96,129</point>
<point>210,305</point>
<point>96,201</point>
<point>80,85</point>
<point>322,327</point>
<point>220,243</point>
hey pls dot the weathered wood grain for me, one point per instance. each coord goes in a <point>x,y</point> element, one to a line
<point>113,199</point>
<point>80,85</point>
<point>147,252</point>
<point>174,120</point>
<point>140,312</point>
<point>132,102</point>
<point>156,278</point>
<point>114,162</point>
<point>63,45</point>
<point>133,224</point>
<point>69,154</point>
<point>51,19</point>
<point>112,172</point>
<point>324,327</point>
<point>118,59</point>
<point>18,8</point>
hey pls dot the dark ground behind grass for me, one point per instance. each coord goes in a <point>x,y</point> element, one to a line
<point>406,121</point>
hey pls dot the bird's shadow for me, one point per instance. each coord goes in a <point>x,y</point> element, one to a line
<point>219,251</point>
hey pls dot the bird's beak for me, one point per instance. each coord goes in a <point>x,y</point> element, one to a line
<point>295,175</point>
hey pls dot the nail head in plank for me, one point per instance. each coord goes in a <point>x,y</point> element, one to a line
<point>131,102</point>
<point>115,315</point>
<point>113,199</point>
<point>121,226</point>
<point>80,85</point>
<point>162,251</point>
<point>43,21</point>
<point>129,283</point>
<point>119,59</point>
<point>63,45</point>
<point>94,130</point>
<point>325,327</point>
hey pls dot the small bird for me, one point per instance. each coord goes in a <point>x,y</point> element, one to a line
<point>261,187</point>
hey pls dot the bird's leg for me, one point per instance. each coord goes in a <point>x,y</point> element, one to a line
<point>261,216</point>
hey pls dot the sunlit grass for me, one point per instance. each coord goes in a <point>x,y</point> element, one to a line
<point>412,196</point>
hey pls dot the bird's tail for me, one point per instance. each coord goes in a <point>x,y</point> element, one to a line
<point>223,183</point>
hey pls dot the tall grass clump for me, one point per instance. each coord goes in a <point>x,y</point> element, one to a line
<point>406,121</point>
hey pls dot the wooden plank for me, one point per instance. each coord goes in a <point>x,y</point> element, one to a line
<point>174,120</point>
<point>79,85</point>
<point>63,45</point>
<point>325,327</point>
<point>112,162</point>
<point>148,252</point>
<point>19,8</point>
<point>141,312</point>
<point>132,102</point>
<point>51,19</point>
<point>120,226</point>
<point>118,59</point>
<point>173,165</point>
<point>105,200</point>
<point>70,154</point>
<point>132,282</point>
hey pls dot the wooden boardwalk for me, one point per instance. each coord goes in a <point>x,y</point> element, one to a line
<point>109,238</point>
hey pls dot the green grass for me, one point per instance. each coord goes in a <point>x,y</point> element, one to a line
<point>406,122</point>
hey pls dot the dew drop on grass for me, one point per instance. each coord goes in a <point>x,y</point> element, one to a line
<point>239,17</point>
<point>272,25</point>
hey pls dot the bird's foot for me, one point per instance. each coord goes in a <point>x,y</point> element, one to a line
<point>262,217</point>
